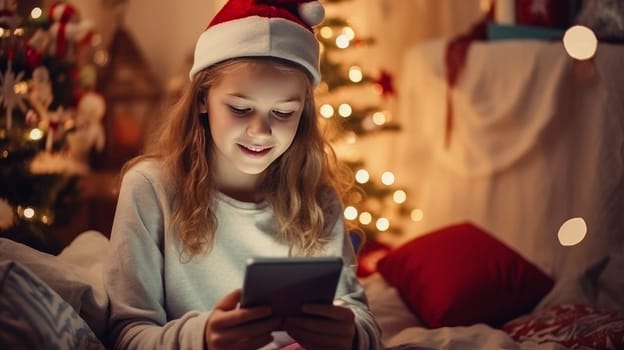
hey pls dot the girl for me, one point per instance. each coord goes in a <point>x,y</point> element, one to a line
<point>239,170</point>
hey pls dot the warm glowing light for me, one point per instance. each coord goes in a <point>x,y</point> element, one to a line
<point>326,32</point>
<point>342,41</point>
<point>580,42</point>
<point>350,213</point>
<point>2,31</point>
<point>36,13</point>
<point>21,88</point>
<point>96,40</point>
<point>45,219</point>
<point>345,110</point>
<point>399,196</point>
<point>327,111</point>
<point>355,74</point>
<point>350,137</point>
<point>35,134</point>
<point>349,33</point>
<point>417,215</point>
<point>18,31</point>
<point>101,58</point>
<point>366,218</point>
<point>387,178</point>
<point>382,224</point>
<point>29,213</point>
<point>362,176</point>
<point>572,232</point>
<point>379,118</point>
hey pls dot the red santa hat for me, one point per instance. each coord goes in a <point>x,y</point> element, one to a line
<point>265,28</point>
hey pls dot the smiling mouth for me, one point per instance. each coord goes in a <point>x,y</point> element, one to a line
<point>255,150</point>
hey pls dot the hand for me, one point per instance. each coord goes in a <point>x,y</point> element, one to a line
<point>229,327</point>
<point>326,327</point>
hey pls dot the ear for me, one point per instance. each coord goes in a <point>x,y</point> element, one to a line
<point>203,108</point>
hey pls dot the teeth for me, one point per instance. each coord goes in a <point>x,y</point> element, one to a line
<point>255,148</point>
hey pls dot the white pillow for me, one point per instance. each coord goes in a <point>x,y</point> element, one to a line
<point>73,282</point>
<point>386,304</point>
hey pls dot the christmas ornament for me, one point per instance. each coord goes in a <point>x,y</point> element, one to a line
<point>543,13</point>
<point>385,84</point>
<point>8,97</point>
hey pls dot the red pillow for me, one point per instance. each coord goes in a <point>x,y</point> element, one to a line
<point>461,275</point>
<point>573,326</point>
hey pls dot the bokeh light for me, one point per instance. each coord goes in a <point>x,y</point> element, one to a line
<point>572,232</point>
<point>580,42</point>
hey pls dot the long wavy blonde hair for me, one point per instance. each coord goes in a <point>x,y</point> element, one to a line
<point>296,185</point>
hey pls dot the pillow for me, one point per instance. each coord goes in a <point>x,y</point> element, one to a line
<point>461,275</point>
<point>78,286</point>
<point>386,305</point>
<point>33,316</point>
<point>571,325</point>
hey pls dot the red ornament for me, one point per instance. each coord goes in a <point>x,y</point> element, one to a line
<point>33,58</point>
<point>542,13</point>
<point>385,85</point>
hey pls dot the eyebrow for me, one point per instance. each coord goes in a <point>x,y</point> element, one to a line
<point>290,99</point>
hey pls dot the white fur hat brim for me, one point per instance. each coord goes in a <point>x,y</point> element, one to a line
<point>257,36</point>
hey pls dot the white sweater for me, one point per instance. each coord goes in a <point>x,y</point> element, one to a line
<point>159,302</point>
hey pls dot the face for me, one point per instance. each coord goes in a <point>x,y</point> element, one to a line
<point>254,111</point>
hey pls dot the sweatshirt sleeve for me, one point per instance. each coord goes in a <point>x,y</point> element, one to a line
<point>133,275</point>
<point>350,291</point>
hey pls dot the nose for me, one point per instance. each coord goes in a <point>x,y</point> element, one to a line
<point>259,125</point>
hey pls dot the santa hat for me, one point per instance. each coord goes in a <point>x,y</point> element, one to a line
<point>265,28</point>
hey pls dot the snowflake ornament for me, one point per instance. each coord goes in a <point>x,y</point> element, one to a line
<point>8,97</point>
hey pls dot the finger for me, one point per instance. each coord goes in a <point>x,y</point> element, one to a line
<point>311,340</point>
<point>250,330</point>
<point>338,313</point>
<point>230,301</point>
<point>233,318</point>
<point>323,326</point>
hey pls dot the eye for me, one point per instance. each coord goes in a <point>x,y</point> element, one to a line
<point>282,114</point>
<point>239,110</point>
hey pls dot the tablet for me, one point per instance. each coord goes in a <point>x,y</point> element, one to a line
<point>287,283</point>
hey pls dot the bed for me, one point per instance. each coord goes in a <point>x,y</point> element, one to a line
<point>484,269</point>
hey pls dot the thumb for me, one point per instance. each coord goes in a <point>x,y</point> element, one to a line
<point>230,301</point>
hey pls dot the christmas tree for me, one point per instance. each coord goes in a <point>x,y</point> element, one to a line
<point>350,116</point>
<point>49,118</point>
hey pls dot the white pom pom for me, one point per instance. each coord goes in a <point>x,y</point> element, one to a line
<point>312,12</point>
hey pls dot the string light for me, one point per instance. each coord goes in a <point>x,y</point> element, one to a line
<point>355,74</point>
<point>36,13</point>
<point>350,213</point>
<point>399,196</point>
<point>387,178</point>
<point>366,218</point>
<point>326,32</point>
<point>345,110</point>
<point>326,111</point>
<point>35,134</point>
<point>417,215</point>
<point>382,224</point>
<point>362,176</point>
<point>350,137</point>
<point>348,32</point>
<point>572,232</point>
<point>580,42</point>
<point>379,118</point>
<point>342,41</point>
<point>29,213</point>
